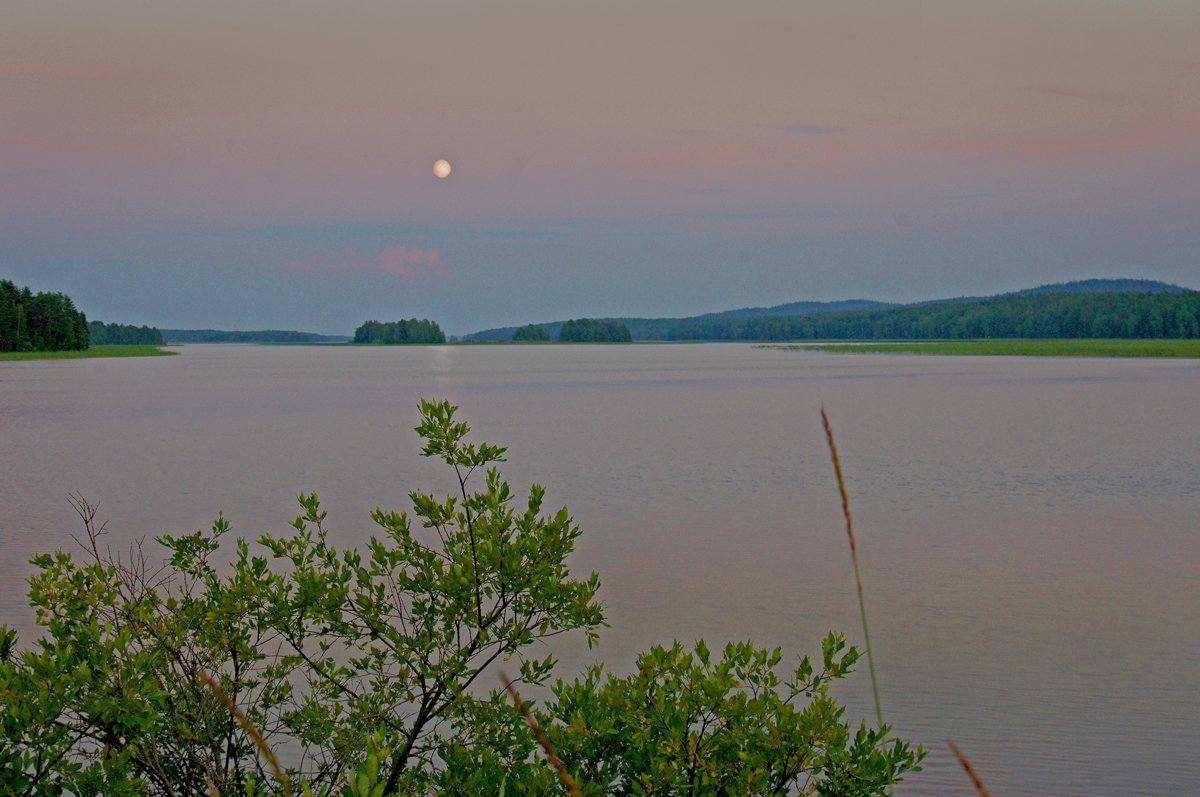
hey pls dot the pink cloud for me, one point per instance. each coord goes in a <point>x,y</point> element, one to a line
<point>405,264</point>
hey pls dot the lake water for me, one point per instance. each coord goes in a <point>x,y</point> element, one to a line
<point>1028,529</point>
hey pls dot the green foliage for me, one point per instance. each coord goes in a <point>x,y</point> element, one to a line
<point>589,330</point>
<point>394,638</point>
<point>688,723</point>
<point>39,322</point>
<point>102,334</point>
<point>531,332</point>
<point>368,670</point>
<point>410,331</point>
<point>113,685</point>
<point>1035,315</point>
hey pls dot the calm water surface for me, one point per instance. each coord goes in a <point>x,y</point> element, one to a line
<point>1028,528</point>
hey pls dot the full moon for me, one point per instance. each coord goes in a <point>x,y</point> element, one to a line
<point>441,168</point>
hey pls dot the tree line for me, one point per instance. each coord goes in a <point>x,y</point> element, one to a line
<point>1058,315</point>
<point>102,334</point>
<point>411,331</point>
<point>39,321</point>
<point>590,330</point>
<point>531,332</point>
<point>247,336</point>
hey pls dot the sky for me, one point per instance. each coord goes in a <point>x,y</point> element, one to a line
<point>267,164</point>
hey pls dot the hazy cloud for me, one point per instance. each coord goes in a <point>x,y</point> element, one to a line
<point>1067,91</point>
<point>413,264</point>
<point>330,233</point>
<point>405,264</point>
<point>15,70</point>
<point>684,155</point>
<point>680,157</point>
<point>1033,147</point>
<point>812,130</point>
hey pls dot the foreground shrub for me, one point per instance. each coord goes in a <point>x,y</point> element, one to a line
<point>362,669</point>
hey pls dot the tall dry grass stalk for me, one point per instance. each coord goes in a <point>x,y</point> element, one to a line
<point>250,730</point>
<point>970,772</point>
<point>862,607</point>
<point>563,775</point>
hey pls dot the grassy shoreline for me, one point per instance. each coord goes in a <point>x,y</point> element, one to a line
<point>88,353</point>
<point>1018,347</point>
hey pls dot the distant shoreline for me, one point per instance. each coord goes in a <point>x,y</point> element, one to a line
<point>1014,347</point>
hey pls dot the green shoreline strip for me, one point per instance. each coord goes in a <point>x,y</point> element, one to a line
<point>1019,347</point>
<point>93,351</point>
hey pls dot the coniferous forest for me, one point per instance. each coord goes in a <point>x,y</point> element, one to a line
<point>102,334</point>
<point>39,321</point>
<point>411,331</point>
<point>531,332</point>
<point>590,330</point>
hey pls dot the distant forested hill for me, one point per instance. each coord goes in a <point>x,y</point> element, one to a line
<point>1107,286</point>
<point>657,328</point>
<point>258,336</point>
<point>1075,286</point>
<point>800,308</point>
<point>775,323</point>
<point>1029,315</point>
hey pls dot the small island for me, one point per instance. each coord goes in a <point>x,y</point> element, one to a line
<point>400,332</point>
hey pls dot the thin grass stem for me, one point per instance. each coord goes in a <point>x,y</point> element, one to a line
<point>250,730</point>
<point>967,766</point>
<point>862,607</point>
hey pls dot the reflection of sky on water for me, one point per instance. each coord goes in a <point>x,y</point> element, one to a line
<point>1025,537</point>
